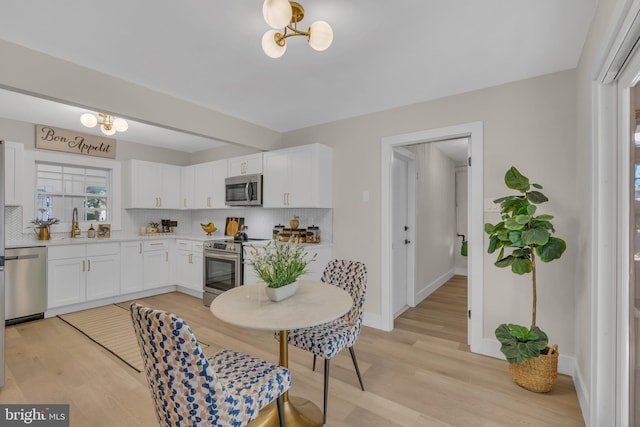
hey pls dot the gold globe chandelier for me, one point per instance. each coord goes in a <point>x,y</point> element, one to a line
<point>108,124</point>
<point>283,16</point>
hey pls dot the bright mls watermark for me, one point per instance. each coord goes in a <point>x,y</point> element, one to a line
<point>34,415</point>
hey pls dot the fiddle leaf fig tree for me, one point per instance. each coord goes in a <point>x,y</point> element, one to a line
<point>521,236</point>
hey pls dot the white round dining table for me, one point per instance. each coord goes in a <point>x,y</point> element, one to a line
<point>313,303</point>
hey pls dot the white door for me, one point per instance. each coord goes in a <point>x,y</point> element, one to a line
<point>400,232</point>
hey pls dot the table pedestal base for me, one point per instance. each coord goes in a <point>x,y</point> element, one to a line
<point>297,412</point>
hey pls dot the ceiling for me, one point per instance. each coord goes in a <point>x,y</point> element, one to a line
<point>385,54</point>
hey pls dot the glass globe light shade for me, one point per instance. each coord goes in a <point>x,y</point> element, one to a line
<point>270,47</point>
<point>109,131</point>
<point>120,125</point>
<point>277,13</point>
<point>88,120</point>
<point>320,35</point>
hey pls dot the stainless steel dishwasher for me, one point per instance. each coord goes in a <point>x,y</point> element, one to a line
<point>25,284</point>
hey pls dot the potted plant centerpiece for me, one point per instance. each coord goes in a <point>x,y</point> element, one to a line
<point>42,225</point>
<point>523,236</point>
<point>279,264</point>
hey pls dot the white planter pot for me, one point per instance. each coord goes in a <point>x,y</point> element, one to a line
<point>283,292</point>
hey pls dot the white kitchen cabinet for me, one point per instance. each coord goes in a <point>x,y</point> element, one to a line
<point>187,264</point>
<point>245,165</point>
<point>187,183</point>
<point>155,263</point>
<point>209,188</point>
<point>152,185</point>
<point>298,177</point>
<point>13,169</point>
<point>131,267</point>
<point>66,279</point>
<point>79,273</point>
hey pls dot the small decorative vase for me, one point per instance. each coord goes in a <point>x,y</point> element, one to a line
<point>281,293</point>
<point>44,233</point>
<point>295,222</point>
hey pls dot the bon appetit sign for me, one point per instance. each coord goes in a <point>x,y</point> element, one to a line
<point>68,141</point>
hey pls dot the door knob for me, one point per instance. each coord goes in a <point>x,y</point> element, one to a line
<point>406,242</point>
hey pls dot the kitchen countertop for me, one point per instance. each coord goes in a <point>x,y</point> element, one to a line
<point>63,241</point>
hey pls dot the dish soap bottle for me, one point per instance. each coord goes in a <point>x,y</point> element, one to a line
<point>91,233</point>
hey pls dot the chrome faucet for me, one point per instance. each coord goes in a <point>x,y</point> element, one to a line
<point>75,226</point>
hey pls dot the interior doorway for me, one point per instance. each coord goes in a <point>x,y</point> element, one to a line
<point>472,131</point>
<point>403,194</point>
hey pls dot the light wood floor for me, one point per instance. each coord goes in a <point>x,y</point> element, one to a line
<point>420,374</point>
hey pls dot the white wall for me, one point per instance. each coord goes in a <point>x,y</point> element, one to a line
<point>530,124</point>
<point>435,217</point>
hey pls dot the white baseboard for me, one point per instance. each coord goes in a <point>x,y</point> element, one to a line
<point>583,394</point>
<point>461,271</point>
<point>373,320</point>
<point>188,291</point>
<point>433,286</point>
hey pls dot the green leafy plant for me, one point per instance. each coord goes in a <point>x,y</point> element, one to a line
<point>520,237</point>
<point>38,223</point>
<point>519,343</point>
<point>279,263</point>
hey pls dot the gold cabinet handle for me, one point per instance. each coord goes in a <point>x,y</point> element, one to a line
<point>160,202</point>
<point>208,202</point>
<point>190,258</point>
<point>140,249</point>
<point>89,265</point>
<point>243,167</point>
<point>166,256</point>
<point>83,266</point>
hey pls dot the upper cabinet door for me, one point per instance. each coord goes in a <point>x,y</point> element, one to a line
<point>151,185</point>
<point>13,167</point>
<point>187,182</point>
<point>245,165</point>
<point>170,187</point>
<point>142,181</point>
<point>209,184</point>
<point>298,177</point>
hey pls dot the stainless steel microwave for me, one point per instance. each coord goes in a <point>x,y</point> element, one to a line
<point>245,190</point>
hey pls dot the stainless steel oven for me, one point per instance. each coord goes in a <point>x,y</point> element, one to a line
<point>222,268</point>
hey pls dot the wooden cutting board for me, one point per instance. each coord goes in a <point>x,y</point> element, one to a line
<point>233,225</point>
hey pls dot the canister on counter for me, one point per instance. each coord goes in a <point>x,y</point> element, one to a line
<point>298,235</point>
<point>313,234</point>
<point>285,235</point>
<point>277,230</point>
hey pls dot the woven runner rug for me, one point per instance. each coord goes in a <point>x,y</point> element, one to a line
<point>110,327</point>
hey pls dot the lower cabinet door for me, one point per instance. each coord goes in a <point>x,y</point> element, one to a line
<point>103,274</point>
<point>131,267</point>
<point>66,282</point>
<point>156,269</point>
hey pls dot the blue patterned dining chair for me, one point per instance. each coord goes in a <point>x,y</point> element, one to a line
<point>228,389</point>
<point>328,339</point>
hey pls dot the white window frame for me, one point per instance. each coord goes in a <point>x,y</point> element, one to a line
<point>29,205</point>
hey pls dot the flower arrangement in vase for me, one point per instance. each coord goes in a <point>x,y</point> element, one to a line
<point>280,264</point>
<point>42,225</point>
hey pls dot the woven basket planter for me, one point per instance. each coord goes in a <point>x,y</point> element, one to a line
<point>538,374</point>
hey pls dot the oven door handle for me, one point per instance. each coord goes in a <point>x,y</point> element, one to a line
<point>222,255</point>
<point>247,197</point>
